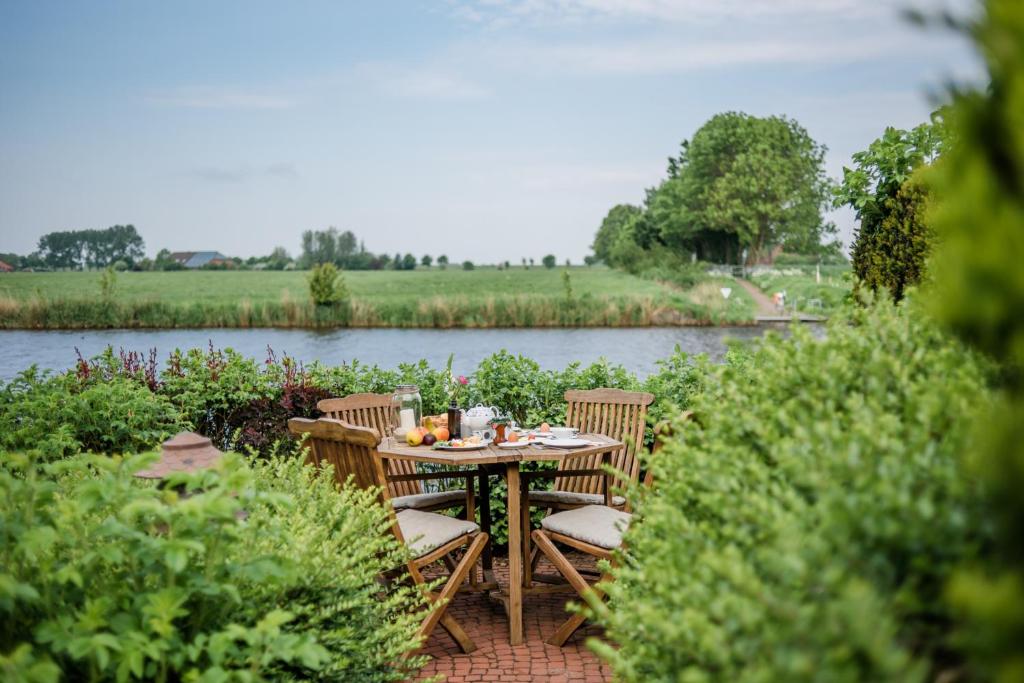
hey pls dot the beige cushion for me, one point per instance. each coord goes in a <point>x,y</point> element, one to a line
<point>424,531</point>
<point>417,501</point>
<point>568,498</point>
<point>594,524</point>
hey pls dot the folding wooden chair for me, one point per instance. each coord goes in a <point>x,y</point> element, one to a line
<point>619,414</point>
<point>404,486</point>
<point>430,536</point>
<point>592,529</point>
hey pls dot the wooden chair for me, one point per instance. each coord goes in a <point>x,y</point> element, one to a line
<point>619,414</point>
<point>404,487</point>
<point>429,536</point>
<point>592,529</point>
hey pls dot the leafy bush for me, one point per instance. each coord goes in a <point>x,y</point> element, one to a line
<point>979,294</point>
<point>58,416</point>
<point>326,286</point>
<point>116,579</point>
<point>803,530</point>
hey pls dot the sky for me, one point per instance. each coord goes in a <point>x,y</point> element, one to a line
<point>488,130</point>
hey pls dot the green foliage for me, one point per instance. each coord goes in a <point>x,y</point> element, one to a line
<point>91,248</point>
<point>893,241</point>
<point>108,283</point>
<point>619,216</point>
<point>979,293</point>
<point>468,265</point>
<point>58,416</point>
<point>326,285</point>
<point>549,261</point>
<point>891,253</point>
<point>116,580</point>
<point>803,527</point>
<point>744,182</point>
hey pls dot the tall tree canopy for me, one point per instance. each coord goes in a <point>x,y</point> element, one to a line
<point>91,248</point>
<point>744,182</point>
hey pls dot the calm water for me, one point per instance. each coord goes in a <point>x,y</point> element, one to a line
<point>636,348</point>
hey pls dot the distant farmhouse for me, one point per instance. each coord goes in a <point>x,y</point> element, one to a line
<point>6,267</point>
<point>198,259</point>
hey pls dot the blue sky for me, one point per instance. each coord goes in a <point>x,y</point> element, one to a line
<point>484,129</point>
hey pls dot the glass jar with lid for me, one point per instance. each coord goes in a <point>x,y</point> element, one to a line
<point>406,409</point>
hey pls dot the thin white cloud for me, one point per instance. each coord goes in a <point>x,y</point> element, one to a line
<point>573,177</point>
<point>516,11</point>
<point>647,57</point>
<point>212,97</point>
<point>244,172</point>
<point>417,82</point>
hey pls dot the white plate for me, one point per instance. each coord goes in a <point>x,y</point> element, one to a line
<point>566,443</point>
<point>513,444</point>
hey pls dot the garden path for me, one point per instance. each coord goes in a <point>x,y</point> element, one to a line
<point>496,660</point>
<point>765,307</point>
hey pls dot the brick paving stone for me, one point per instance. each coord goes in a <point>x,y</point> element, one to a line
<point>495,660</point>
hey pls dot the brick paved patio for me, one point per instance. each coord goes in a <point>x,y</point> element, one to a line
<point>496,660</point>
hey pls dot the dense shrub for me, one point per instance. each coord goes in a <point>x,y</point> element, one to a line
<point>58,415</point>
<point>979,293</point>
<point>804,528</point>
<point>107,578</point>
<point>326,286</point>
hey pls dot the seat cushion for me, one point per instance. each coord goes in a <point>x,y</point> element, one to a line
<point>594,524</point>
<point>424,531</point>
<point>569,498</point>
<point>418,501</point>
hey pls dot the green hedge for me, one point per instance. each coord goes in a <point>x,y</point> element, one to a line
<point>120,403</point>
<point>103,577</point>
<point>805,528</point>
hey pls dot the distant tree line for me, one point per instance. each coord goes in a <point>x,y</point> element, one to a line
<point>740,190</point>
<point>346,251</point>
<point>77,249</point>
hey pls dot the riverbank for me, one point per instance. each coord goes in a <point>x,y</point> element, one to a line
<point>483,298</point>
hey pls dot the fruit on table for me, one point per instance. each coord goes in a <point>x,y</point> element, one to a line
<point>544,428</point>
<point>414,438</point>
<point>441,433</point>
<point>513,437</point>
<point>429,439</point>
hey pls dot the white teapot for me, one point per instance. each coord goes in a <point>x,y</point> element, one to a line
<point>477,418</point>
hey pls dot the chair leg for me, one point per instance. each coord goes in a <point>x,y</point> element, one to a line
<point>451,587</point>
<point>461,638</point>
<point>571,575</point>
<point>524,516</point>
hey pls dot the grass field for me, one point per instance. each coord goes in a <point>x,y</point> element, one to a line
<point>485,297</point>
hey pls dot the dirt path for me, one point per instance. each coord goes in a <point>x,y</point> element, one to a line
<point>765,307</point>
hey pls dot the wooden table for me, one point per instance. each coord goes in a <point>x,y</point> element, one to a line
<point>508,459</point>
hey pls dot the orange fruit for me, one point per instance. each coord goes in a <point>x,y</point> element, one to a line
<point>545,428</point>
<point>441,433</point>
<point>513,437</point>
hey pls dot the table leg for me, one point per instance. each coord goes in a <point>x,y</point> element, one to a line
<point>485,518</point>
<point>515,556</point>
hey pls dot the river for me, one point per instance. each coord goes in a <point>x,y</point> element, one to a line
<point>638,349</point>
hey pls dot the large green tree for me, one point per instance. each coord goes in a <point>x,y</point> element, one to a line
<point>743,183</point>
<point>893,241</point>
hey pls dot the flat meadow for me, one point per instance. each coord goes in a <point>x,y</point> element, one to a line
<point>483,297</point>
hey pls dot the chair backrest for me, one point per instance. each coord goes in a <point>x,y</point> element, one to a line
<point>373,411</point>
<point>622,415</point>
<point>350,449</point>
